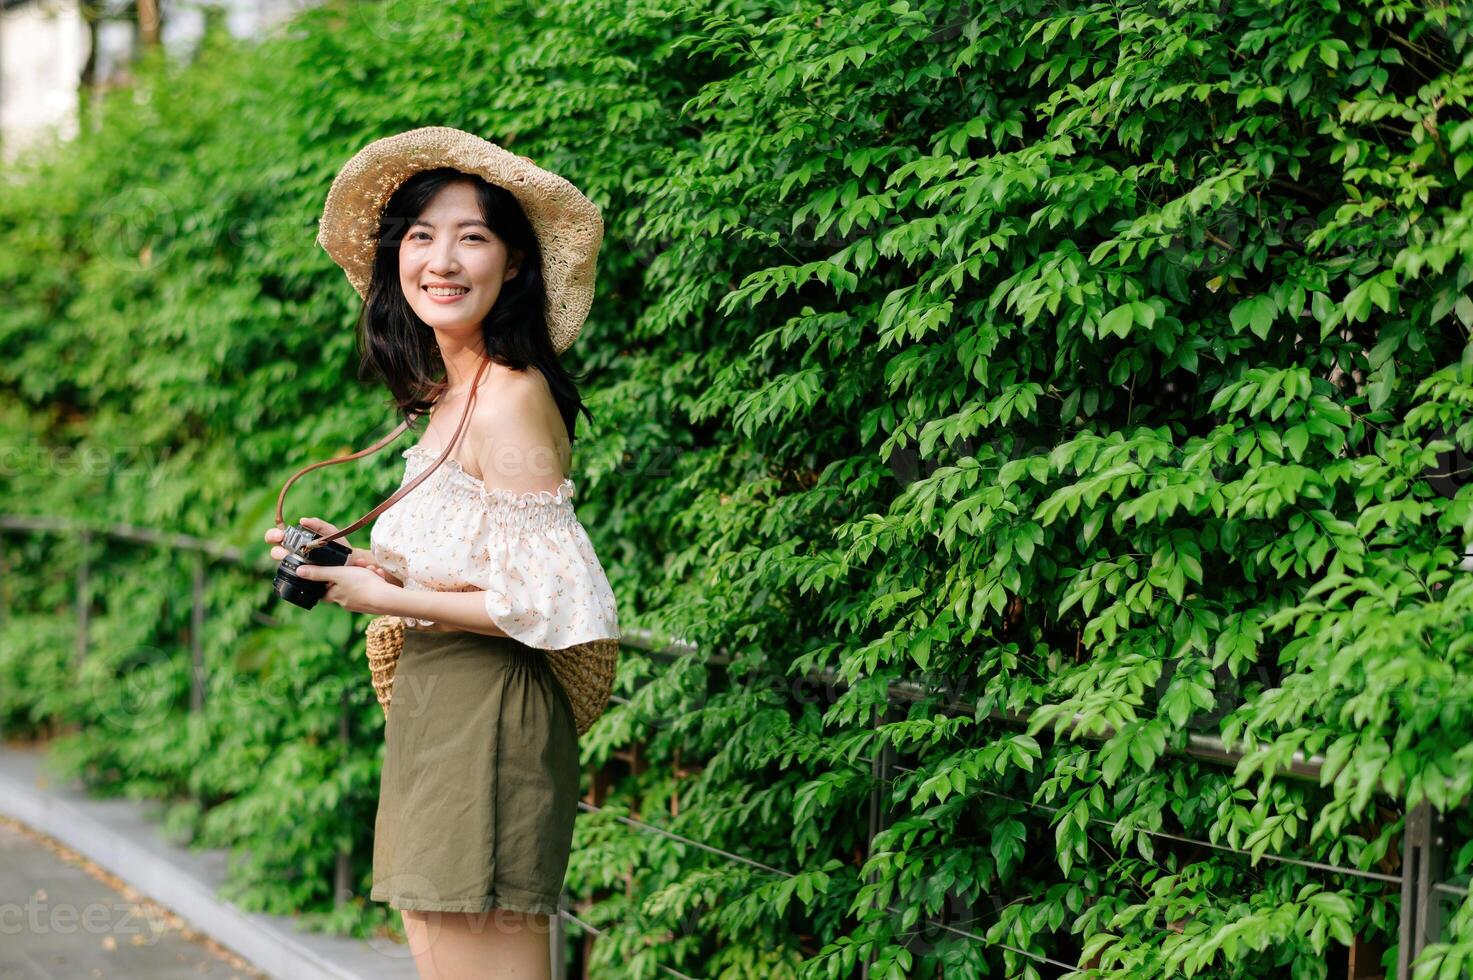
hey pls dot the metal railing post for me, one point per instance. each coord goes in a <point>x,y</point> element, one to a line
<point>343,870</point>
<point>84,596</point>
<point>4,583</point>
<point>1423,841</point>
<point>881,773</point>
<point>196,636</point>
<point>556,946</point>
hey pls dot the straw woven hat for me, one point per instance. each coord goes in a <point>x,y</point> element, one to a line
<point>568,225</point>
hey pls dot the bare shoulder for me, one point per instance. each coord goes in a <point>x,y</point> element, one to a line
<point>524,394</point>
<point>516,433</point>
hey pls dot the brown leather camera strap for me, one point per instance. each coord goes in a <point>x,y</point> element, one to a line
<point>444,455</point>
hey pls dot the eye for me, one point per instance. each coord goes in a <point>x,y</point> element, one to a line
<point>476,237</point>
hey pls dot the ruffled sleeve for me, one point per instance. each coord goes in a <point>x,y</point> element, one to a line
<point>544,586</point>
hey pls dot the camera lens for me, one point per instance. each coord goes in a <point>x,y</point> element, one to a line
<point>298,591</point>
<point>290,586</point>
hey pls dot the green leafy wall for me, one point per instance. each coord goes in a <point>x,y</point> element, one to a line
<point>1095,361</point>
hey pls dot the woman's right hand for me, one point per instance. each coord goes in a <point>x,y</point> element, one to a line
<point>321,528</point>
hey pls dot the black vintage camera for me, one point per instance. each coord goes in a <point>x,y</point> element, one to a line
<point>300,591</point>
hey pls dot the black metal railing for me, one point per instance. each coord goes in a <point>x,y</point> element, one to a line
<point>1424,843</point>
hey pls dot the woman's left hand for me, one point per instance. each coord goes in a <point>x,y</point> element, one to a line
<point>354,587</point>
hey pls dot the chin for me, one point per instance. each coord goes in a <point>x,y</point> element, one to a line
<point>452,321</point>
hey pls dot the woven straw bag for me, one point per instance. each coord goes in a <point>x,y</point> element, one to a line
<point>384,638</point>
<point>585,671</point>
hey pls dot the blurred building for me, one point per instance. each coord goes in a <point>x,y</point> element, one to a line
<point>45,47</point>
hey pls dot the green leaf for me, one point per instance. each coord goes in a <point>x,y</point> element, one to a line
<point>1118,321</point>
<point>1257,313</point>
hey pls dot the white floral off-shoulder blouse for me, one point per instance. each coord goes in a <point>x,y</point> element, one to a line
<point>527,550</point>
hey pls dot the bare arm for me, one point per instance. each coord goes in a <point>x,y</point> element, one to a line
<point>463,610</point>
<point>364,556</point>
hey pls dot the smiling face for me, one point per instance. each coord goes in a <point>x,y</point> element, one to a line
<point>450,246</point>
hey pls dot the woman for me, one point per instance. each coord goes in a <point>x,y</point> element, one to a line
<point>478,264</point>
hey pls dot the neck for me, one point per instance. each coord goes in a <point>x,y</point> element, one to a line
<point>460,369</point>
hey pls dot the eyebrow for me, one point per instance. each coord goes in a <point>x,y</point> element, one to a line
<point>470,221</point>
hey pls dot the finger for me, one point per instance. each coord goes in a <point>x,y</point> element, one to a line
<point>274,534</point>
<point>277,554</point>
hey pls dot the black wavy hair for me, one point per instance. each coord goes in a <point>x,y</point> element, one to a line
<point>399,348</point>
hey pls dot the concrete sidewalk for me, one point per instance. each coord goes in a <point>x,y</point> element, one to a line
<point>121,837</point>
<point>61,920</point>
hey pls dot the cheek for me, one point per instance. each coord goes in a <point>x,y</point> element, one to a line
<point>408,264</point>
<point>410,273</point>
<point>488,270</point>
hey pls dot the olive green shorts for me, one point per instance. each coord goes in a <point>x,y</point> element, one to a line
<point>479,787</point>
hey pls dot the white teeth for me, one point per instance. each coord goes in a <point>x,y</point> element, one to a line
<point>442,291</point>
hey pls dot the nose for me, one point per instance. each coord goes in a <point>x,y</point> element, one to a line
<point>443,261</point>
